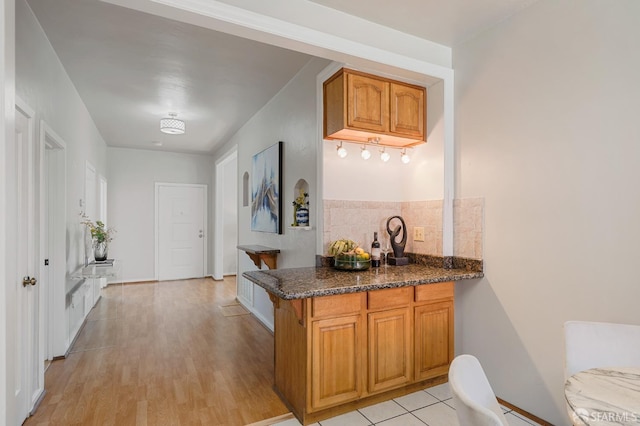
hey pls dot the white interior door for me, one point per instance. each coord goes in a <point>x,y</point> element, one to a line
<point>28,351</point>
<point>181,213</point>
<point>90,191</point>
<point>53,241</point>
<point>102,199</point>
<point>230,211</point>
<point>225,252</point>
<point>90,208</point>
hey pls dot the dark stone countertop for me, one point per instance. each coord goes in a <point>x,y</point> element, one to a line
<point>257,249</point>
<point>301,283</point>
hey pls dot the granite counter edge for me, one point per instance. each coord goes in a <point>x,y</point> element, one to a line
<point>356,288</point>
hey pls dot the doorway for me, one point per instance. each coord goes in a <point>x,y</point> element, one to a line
<point>53,240</point>
<point>226,216</point>
<point>181,231</point>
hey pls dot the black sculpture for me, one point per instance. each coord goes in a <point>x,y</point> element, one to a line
<point>397,246</point>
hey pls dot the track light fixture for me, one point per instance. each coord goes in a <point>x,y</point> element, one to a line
<point>404,157</point>
<point>342,152</point>
<point>365,153</point>
<point>365,150</point>
<point>384,155</point>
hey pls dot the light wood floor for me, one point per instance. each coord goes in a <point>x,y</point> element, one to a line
<point>164,353</point>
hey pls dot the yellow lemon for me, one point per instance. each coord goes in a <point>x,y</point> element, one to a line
<point>365,256</point>
<point>359,250</point>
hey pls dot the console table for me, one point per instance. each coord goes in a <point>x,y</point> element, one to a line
<point>84,289</point>
<point>261,254</point>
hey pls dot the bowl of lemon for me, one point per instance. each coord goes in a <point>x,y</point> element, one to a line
<point>348,256</point>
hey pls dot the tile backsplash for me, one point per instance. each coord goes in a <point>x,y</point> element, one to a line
<point>468,226</point>
<point>427,214</point>
<point>358,220</point>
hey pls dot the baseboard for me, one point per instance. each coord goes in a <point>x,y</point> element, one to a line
<point>38,401</point>
<point>524,413</point>
<point>136,281</point>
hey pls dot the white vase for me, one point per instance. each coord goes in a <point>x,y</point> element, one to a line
<point>100,250</point>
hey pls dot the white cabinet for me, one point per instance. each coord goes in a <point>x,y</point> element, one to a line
<point>88,296</point>
<point>76,313</point>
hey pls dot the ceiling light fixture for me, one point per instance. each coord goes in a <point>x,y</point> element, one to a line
<point>171,125</point>
<point>365,154</point>
<point>384,155</point>
<point>342,152</point>
<point>404,157</point>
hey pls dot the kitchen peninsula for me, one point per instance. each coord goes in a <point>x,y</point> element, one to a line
<point>343,340</point>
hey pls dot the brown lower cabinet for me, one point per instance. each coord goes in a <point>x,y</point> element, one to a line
<point>334,354</point>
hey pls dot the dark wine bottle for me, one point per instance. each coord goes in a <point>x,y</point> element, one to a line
<point>375,251</point>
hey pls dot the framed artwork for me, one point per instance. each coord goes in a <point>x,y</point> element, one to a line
<point>266,183</point>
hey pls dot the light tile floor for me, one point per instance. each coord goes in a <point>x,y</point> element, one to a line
<point>431,407</point>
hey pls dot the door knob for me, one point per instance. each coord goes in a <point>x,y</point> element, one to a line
<point>201,234</point>
<point>28,281</point>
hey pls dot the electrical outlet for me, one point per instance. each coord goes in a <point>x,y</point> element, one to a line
<point>418,233</point>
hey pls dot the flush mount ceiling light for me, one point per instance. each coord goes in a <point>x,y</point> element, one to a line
<point>384,155</point>
<point>404,157</point>
<point>342,152</point>
<point>171,125</point>
<point>365,154</point>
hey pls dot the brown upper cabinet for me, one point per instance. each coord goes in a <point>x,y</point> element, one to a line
<point>359,107</point>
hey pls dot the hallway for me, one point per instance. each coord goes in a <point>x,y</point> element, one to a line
<point>164,353</point>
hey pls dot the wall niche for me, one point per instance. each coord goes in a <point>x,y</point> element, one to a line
<point>301,213</point>
<point>245,189</point>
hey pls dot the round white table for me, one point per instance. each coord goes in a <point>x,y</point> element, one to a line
<point>604,396</point>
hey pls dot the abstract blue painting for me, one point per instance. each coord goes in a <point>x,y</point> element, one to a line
<point>266,182</point>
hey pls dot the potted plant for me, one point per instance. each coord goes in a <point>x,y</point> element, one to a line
<point>101,236</point>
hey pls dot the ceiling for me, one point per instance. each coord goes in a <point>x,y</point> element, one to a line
<point>132,68</point>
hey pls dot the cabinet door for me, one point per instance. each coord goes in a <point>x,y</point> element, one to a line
<point>407,111</point>
<point>367,103</point>
<point>433,339</point>
<point>389,349</point>
<point>336,361</point>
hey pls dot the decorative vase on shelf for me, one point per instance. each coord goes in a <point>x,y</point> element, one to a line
<point>302,216</point>
<point>100,251</point>
<point>100,238</point>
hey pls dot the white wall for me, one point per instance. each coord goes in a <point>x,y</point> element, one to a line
<point>547,133</point>
<point>43,84</point>
<point>290,116</point>
<point>352,178</point>
<point>132,175</point>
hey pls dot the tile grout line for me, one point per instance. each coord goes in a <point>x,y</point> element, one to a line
<point>446,403</point>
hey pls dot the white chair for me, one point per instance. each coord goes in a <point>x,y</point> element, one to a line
<point>600,344</point>
<point>475,402</point>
